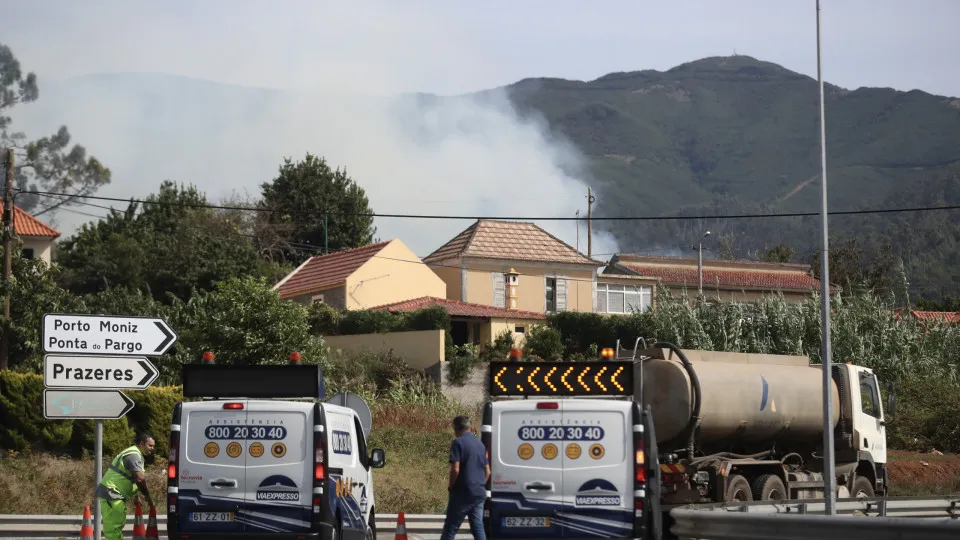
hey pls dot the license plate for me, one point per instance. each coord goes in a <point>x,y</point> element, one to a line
<point>526,522</point>
<point>211,517</point>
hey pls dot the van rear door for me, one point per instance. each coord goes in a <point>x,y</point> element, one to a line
<point>597,469</point>
<point>212,467</point>
<point>527,482</point>
<point>278,495</point>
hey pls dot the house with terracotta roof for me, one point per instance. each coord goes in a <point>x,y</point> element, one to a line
<point>742,281</point>
<point>361,278</point>
<point>475,323</point>
<point>516,266</point>
<point>37,237</point>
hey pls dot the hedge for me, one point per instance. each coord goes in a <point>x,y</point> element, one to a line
<point>24,429</point>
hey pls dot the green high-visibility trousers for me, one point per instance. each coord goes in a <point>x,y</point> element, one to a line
<point>113,515</point>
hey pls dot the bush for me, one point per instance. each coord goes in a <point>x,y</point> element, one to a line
<point>544,342</point>
<point>21,416</point>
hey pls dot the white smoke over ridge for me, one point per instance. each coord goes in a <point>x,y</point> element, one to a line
<point>469,155</point>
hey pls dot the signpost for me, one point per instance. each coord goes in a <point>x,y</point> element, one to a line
<point>94,358</point>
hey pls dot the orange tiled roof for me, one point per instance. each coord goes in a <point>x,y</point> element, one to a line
<point>509,240</point>
<point>27,225</point>
<point>324,271</point>
<point>683,271</point>
<point>460,309</point>
<point>946,316</point>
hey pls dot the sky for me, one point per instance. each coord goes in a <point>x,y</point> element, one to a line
<point>385,48</point>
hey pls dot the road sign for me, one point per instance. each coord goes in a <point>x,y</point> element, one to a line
<point>87,404</point>
<point>108,335</point>
<point>123,372</point>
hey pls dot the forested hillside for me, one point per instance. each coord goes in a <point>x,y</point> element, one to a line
<point>735,135</point>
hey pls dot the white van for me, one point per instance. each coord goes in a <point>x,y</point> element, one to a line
<point>268,468</point>
<point>564,466</point>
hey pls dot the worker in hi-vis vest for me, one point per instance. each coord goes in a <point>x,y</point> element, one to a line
<point>124,479</point>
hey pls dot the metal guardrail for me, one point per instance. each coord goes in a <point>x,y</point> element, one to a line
<point>35,526</point>
<point>927,518</point>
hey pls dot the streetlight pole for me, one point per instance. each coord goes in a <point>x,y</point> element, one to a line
<point>700,263</point>
<point>829,478</point>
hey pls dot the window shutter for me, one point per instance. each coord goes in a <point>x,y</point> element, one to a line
<point>499,290</point>
<point>561,294</point>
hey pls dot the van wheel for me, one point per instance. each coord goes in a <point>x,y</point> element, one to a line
<point>372,526</point>
<point>769,487</point>
<point>738,490</point>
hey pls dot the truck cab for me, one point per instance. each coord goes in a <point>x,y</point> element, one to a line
<point>570,453</point>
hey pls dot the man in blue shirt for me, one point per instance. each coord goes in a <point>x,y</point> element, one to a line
<point>469,472</point>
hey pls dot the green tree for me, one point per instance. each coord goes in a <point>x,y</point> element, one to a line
<point>45,164</point>
<point>243,321</point>
<point>174,245</point>
<point>781,253</point>
<point>300,196</point>
<point>33,291</point>
<point>855,268</point>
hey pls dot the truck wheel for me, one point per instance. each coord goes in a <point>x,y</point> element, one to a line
<point>769,487</point>
<point>738,489</point>
<point>862,487</point>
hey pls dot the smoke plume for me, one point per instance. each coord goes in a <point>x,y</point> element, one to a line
<point>222,109</point>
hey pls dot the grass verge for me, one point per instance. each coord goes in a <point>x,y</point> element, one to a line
<point>416,438</point>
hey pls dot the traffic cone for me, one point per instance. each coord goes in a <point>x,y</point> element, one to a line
<point>401,528</point>
<point>86,529</point>
<point>139,530</point>
<point>152,532</point>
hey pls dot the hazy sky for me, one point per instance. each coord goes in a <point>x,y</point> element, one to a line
<point>444,47</point>
<point>449,47</point>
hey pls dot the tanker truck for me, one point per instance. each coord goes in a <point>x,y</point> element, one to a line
<point>746,427</point>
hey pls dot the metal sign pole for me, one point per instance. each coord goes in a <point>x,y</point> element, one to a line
<point>97,474</point>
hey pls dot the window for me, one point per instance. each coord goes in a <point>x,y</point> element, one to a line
<point>316,299</point>
<point>612,298</point>
<point>551,293</point>
<point>519,329</point>
<point>27,253</point>
<point>869,396</point>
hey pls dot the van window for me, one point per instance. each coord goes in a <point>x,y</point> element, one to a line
<point>361,444</point>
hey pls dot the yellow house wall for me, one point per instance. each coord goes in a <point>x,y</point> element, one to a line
<point>421,349</point>
<point>449,272</point>
<point>532,292</point>
<point>42,247</point>
<point>394,275</point>
<point>490,331</point>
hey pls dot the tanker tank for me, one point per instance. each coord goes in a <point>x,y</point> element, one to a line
<point>753,399</point>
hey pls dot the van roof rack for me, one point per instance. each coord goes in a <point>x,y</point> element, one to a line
<point>267,381</point>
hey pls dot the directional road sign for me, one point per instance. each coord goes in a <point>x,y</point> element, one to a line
<point>122,372</point>
<point>108,335</point>
<point>87,404</point>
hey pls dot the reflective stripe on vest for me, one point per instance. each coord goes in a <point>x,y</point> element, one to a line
<point>118,478</point>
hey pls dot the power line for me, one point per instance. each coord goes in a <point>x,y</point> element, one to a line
<point>506,218</point>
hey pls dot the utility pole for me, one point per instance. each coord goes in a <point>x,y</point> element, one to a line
<point>829,478</point>
<point>578,229</point>
<point>8,231</point>
<point>590,199</point>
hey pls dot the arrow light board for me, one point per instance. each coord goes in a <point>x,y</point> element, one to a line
<point>123,372</point>
<point>86,404</point>
<point>561,378</point>
<point>107,335</point>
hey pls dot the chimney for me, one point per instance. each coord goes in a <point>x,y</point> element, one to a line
<point>513,288</point>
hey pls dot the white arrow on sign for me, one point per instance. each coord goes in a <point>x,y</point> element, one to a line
<point>103,334</point>
<point>122,372</point>
<point>86,404</point>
